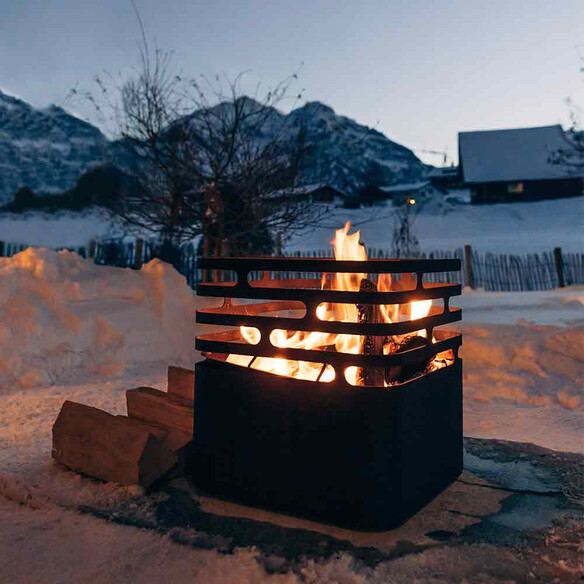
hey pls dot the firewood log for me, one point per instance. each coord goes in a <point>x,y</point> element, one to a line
<point>107,447</point>
<point>158,407</point>
<point>172,438</point>
<point>401,373</point>
<point>372,345</point>
<point>181,382</point>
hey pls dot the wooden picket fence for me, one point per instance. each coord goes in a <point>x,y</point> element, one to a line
<point>488,271</point>
<point>492,271</point>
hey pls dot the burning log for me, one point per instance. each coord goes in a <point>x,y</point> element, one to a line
<point>375,344</point>
<point>372,345</point>
<point>401,373</point>
<point>355,457</point>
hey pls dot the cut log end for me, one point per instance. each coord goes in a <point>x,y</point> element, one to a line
<point>110,448</point>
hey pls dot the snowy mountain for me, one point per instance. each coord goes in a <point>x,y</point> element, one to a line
<point>47,149</point>
<point>350,156</point>
<point>342,153</point>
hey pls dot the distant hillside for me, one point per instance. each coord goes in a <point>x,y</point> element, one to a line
<point>351,156</point>
<point>48,150</point>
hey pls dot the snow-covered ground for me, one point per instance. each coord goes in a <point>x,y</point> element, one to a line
<point>72,330</point>
<point>506,228</point>
<point>65,321</point>
<point>61,229</point>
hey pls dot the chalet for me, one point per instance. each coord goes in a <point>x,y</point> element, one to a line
<point>445,178</point>
<point>320,192</point>
<point>402,192</point>
<point>515,165</point>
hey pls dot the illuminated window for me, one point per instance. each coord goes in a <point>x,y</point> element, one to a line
<point>515,187</point>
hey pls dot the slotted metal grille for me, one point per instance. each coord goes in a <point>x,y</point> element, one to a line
<point>279,293</point>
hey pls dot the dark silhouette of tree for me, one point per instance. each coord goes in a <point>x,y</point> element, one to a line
<point>571,156</point>
<point>373,179</point>
<point>404,243</point>
<point>103,186</point>
<point>24,198</point>
<point>180,137</point>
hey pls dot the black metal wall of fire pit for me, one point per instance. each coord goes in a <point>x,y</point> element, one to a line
<point>363,457</point>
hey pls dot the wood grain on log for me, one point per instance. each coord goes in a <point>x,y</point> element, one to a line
<point>172,438</point>
<point>159,407</point>
<point>181,382</point>
<point>108,447</point>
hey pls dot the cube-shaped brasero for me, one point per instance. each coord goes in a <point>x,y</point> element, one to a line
<point>361,457</point>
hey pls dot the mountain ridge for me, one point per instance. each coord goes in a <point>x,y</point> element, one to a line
<point>49,149</point>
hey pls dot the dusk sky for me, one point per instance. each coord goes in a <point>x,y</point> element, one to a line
<point>419,71</point>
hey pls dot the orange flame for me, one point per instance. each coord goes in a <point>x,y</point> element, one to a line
<point>346,247</point>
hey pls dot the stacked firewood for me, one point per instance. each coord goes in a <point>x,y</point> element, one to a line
<point>136,449</point>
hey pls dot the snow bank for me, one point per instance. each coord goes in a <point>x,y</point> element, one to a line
<point>64,319</point>
<point>525,364</point>
<point>562,306</point>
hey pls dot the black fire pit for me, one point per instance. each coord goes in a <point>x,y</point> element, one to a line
<point>363,456</point>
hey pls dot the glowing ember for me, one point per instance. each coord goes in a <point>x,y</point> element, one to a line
<point>346,247</point>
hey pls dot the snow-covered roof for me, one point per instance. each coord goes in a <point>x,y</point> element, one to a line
<point>443,172</point>
<point>307,190</point>
<point>405,187</point>
<point>313,188</point>
<point>512,155</point>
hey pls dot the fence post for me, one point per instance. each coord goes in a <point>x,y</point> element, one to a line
<point>1,249</point>
<point>138,254</point>
<point>468,266</point>
<point>559,267</point>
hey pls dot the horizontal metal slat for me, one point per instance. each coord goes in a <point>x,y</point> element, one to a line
<point>310,323</point>
<point>376,266</point>
<point>313,297</point>
<point>219,343</point>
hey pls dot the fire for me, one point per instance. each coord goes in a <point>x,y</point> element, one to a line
<point>346,247</point>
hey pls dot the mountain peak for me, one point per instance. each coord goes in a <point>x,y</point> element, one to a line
<point>9,102</point>
<point>48,150</point>
<point>316,109</point>
<point>44,149</point>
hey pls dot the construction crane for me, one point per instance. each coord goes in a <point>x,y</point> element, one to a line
<point>442,153</point>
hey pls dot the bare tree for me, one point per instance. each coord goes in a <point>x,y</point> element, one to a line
<point>205,159</point>
<point>404,241</point>
<point>571,156</point>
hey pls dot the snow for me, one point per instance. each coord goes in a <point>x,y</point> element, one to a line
<point>444,222</point>
<point>511,228</point>
<point>548,307</point>
<point>512,155</point>
<point>64,546</point>
<point>405,187</point>
<point>72,330</point>
<point>64,318</point>
<point>62,229</point>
